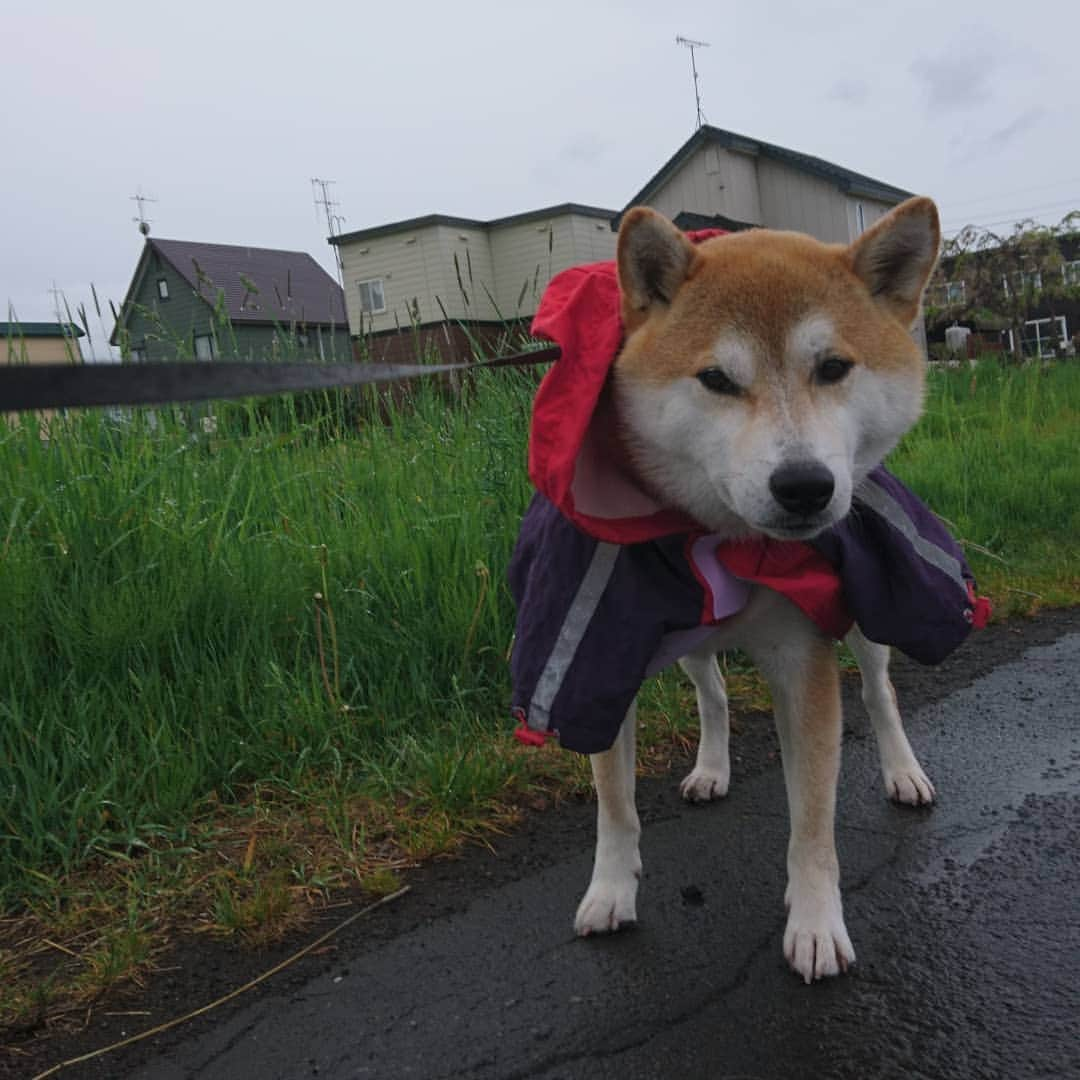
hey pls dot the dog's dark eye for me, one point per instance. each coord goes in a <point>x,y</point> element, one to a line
<point>833,369</point>
<point>715,380</point>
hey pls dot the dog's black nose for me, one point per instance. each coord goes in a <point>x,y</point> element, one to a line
<point>804,487</point>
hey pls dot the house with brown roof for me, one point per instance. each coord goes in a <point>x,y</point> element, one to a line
<point>442,282</point>
<point>224,301</point>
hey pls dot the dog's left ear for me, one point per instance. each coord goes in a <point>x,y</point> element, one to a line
<point>654,259</point>
<point>896,256</point>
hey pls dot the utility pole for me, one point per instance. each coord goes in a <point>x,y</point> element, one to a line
<point>140,201</point>
<point>320,191</point>
<point>692,45</point>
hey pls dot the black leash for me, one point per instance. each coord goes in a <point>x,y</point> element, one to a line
<point>58,386</point>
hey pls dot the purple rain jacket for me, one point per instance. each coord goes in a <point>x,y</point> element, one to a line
<point>611,588</point>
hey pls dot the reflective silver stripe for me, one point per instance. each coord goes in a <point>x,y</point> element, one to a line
<point>572,631</point>
<point>881,502</point>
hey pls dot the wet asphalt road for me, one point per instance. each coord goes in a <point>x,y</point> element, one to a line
<point>965,920</point>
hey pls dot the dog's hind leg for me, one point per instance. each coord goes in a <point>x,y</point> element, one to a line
<point>905,780</point>
<point>802,674</point>
<point>711,774</point>
<point>611,899</point>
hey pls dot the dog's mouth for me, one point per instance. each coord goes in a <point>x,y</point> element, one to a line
<point>796,528</point>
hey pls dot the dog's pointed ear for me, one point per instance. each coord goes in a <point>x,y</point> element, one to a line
<point>654,259</point>
<point>896,255</point>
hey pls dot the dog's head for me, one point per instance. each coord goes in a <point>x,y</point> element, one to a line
<point>764,374</point>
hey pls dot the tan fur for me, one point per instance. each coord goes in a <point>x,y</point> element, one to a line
<point>761,283</point>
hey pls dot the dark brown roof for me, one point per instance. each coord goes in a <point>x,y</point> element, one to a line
<point>260,284</point>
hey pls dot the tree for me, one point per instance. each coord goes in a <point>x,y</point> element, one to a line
<point>996,281</point>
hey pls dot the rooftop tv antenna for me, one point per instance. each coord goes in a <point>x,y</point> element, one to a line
<point>692,45</point>
<point>320,191</point>
<point>140,201</point>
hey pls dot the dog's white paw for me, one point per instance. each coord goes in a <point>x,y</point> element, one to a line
<point>908,784</point>
<point>704,785</point>
<point>816,942</point>
<point>607,906</point>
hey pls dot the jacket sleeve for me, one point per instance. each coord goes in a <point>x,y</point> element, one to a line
<point>905,579</point>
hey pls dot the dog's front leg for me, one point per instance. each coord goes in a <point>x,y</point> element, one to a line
<point>610,901</point>
<point>803,678</point>
<point>905,780</point>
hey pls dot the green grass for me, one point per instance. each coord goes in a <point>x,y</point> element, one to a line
<point>186,616</point>
<point>238,670</point>
<point>997,454</point>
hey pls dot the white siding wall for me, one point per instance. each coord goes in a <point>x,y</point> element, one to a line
<point>525,262</point>
<point>713,181</point>
<point>411,264</point>
<point>473,250</point>
<point>526,255</point>
<point>793,199</point>
<point>419,263</point>
<point>594,240</point>
<point>872,210</point>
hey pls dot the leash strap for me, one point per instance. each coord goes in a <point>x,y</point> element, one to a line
<point>58,386</point>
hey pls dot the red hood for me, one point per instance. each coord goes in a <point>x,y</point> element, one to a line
<point>571,461</point>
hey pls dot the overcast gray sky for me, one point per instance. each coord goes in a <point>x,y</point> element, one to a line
<point>224,111</point>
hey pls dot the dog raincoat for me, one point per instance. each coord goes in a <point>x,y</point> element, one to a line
<point>612,587</point>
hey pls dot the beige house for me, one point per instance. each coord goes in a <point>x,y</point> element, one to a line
<point>415,284</point>
<point>39,343</point>
<point>425,277</point>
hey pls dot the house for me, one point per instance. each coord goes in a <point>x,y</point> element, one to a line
<point>210,301</point>
<point>1020,297</point>
<point>436,281</point>
<point>40,343</point>
<point>440,283</point>
<point>718,179</point>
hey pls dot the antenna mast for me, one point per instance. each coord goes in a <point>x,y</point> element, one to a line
<point>320,192</point>
<point>140,201</point>
<point>692,45</point>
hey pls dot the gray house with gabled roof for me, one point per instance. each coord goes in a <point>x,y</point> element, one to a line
<point>209,301</point>
<point>719,179</point>
<point>443,282</point>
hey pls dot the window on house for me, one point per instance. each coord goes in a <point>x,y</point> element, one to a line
<point>372,299</point>
<point>1020,281</point>
<point>1043,336</point>
<point>955,292</point>
<point>1070,272</point>
<point>860,219</point>
<point>162,289</point>
<point>204,347</point>
<point>138,355</point>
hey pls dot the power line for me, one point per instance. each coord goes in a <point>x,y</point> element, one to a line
<point>1017,214</point>
<point>1019,191</point>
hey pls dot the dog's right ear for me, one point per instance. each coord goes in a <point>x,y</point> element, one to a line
<point>654,258</point>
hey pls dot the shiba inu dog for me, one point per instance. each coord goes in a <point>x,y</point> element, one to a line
<point>761,378</point>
